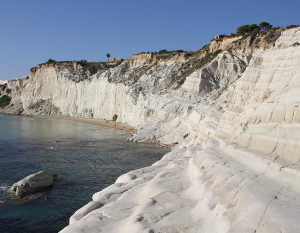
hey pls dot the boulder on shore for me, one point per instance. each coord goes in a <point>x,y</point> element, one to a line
<point>32,183</point>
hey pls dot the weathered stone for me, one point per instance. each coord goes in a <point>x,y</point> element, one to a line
<point>235,123</point>
<point>233,170</point>
<point>32,183</point>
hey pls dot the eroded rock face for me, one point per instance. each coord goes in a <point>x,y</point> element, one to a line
<point>236,166</point>
<point>235,124</point>
<point>32,183</point>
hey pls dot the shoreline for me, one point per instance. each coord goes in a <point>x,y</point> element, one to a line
<point>114,125</point>
<point>103,123</point>
<point>107,124</point>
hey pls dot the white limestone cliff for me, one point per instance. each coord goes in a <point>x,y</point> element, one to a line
<point>234,124</point>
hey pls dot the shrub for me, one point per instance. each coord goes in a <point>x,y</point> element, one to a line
<point>187,55</point>
<point>3,86</point>
<point>296,44</point>
<point>115,117</point>
<point>50,61</point>
<point>217,52</point>
<point>163,51</point>
<point>8,90</point>
<point>83,62</point>
<point>181,81</point>
<point>292,26</point>
<point>4,101</point>
<point>193,65</point>
<point>272,35</point>
<point>93,68</point>
<point>185,136</point>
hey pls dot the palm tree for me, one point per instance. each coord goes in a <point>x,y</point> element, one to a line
<point>108,56</point>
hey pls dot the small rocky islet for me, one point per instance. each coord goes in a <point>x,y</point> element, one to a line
<point>32,184</point>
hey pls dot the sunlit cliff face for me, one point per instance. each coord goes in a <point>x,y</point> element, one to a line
<point>233,123</point>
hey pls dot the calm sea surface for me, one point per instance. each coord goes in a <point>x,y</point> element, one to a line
<point>87,158</point>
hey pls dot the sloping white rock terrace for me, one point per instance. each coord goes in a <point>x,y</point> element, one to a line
<point>234,124</point>
<point>235,171</point>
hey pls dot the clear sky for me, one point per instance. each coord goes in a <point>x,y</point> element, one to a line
<point>33,31</point>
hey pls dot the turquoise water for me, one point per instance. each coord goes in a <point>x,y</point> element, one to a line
<point>87,158</point>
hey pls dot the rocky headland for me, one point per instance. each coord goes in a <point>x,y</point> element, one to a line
<point>231,112</point>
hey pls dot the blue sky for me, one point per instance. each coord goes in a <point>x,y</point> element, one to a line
<point>33,31</point>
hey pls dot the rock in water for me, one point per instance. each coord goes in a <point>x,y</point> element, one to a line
<point>32,183</point>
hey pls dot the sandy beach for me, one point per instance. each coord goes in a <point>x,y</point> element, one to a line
<point>104,123</point>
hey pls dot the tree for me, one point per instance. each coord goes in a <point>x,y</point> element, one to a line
<point>50,61</point>
<point>264,26</point>
<point>108,56</point>
<point>242,30</point>
<point>163,51</point>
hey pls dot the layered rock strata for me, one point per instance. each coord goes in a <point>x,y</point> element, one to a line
<point>233,122</point>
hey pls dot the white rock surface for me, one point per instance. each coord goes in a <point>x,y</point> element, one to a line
<point>221,72</point>
<point>235,124</point>
<point>234,170</point>
<point>32,183</point>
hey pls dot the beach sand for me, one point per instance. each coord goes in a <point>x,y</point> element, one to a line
<point>104,123</point>
<point>112,124</point>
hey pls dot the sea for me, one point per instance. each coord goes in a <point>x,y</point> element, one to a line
<point>87,159</point>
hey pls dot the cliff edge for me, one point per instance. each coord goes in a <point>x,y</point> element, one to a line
<point>231,112</point>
